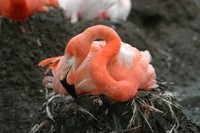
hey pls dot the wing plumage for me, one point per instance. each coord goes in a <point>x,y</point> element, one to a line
<point>129,60</point>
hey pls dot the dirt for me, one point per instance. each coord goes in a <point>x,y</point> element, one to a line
<point>65,114</point>
<point>169,29</point>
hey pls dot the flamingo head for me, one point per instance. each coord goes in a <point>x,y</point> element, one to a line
<point>75,53</point>
<point>67,63</point>
<point>72,51</point>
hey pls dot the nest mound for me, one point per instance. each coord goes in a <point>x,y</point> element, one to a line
<point>155,111</point>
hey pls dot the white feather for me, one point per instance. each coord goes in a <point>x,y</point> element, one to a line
<point>91,9</point>
<point>126,52</point>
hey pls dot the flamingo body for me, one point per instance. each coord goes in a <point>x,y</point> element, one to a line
<point>19,10</point>
<point>114,10</point>
<point>108,67</point>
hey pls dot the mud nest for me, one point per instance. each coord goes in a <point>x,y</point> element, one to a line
<point>155,111</point>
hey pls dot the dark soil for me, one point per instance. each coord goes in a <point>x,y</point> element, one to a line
<point>169,29</point>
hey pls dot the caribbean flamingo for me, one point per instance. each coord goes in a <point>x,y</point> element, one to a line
<point>19,10</point>
<point>114,10</point>
<point>109,67</point>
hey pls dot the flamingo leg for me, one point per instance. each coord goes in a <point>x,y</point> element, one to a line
<point>48,82</point>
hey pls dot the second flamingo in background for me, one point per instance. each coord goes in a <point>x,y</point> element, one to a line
<point>115,10</point>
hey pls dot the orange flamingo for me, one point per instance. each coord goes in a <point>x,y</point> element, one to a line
<point>109,67</point>
<point>19,10</point>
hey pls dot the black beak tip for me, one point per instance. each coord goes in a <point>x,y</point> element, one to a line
<point>69,88</point>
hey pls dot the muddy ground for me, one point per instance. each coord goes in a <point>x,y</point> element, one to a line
<point>169,29</point>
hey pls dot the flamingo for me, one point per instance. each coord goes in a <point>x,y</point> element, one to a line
<point>19,10</point>
<point>114,10</point>
<point>110,67</point>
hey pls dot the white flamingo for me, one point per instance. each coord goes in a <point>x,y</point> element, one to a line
<point>115,10</point>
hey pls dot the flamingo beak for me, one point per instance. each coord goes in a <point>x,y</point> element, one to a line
<point>63,77</point>
<point>64,72</point>
<point>67,63</point>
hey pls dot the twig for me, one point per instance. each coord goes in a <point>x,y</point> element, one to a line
<point>47,106</point>
<point>134,108</point>
<point>146,120</point>
<point>38,42</point>
<point>150,107</point>
<point>52,129</point>
<point>172,129</point>
<point>167,101</point>
<point>127,130</point>
<point>38,126</point>
<point>87,112</point>
<point>173,115</point>
<point>48,94</point>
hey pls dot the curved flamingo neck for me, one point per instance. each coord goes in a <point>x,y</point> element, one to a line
<point>113,41</point>
<point>80,44</point>
<point>117,90</point>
